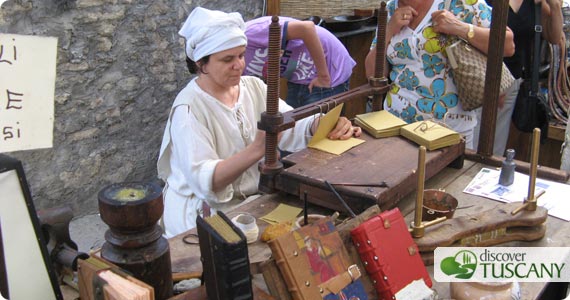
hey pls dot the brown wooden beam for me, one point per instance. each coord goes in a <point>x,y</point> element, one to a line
<point>273,7</point>
<point>493,77</point>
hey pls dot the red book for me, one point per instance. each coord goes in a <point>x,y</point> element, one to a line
<point>389,254</point>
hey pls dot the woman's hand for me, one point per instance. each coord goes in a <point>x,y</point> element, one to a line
<point>403,16</point>
<point>259,143</point>
<point>443,21</point>
<point>344,130</point>
<point>323,81</point>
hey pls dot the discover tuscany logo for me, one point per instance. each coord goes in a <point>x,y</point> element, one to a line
<point>496,264</point>
<point>462,265</point>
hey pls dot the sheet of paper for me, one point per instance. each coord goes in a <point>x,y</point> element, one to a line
<point>486,184</point>
<point>282,213</point>
<point>326,124</point>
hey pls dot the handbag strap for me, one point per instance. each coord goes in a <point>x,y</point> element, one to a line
<point>536,50</point>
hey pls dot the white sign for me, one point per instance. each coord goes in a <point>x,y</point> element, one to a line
<point>27,85</point>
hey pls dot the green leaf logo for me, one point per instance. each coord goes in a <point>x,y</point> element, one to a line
<point>462,265</point>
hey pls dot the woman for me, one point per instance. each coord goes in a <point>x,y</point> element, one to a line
<point>416,37</point>
<point>211,146</point>
<point>521,22</point>
<point>314,62</point>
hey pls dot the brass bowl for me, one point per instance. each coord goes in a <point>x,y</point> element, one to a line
<point>438,203</point>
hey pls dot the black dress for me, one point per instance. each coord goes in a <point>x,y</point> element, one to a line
<point>522,25</point>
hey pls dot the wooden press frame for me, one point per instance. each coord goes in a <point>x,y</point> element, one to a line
<point>274,122</point>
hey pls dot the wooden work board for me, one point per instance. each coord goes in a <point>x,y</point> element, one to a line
<point>393,160</point>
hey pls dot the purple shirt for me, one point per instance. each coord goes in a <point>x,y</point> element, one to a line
<point>296,63</point>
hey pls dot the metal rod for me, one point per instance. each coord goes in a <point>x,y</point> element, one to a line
<point>433,222</point>
<point>421,181</point>
<point>533,164</point>
<point>352,214</point>
<point>380,59</point>
<point>305,214</point>
<point>527,205</point>
<point>271,138</point>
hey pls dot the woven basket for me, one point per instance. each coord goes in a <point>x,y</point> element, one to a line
<point>302,9</point>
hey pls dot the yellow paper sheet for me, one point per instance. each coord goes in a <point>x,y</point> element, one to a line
<point>326,124</point>
<point>282,213</point>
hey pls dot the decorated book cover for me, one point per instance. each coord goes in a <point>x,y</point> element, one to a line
<point>312,257</point>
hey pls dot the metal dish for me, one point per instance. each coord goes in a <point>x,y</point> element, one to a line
<point>345,23</point>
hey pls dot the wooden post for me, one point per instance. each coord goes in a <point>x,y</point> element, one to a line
<point>493,77</point>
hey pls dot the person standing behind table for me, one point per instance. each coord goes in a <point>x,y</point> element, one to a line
<point>422,85</point>
<point>314,62</point>
<point>211,147</point>
<point>521,22</point>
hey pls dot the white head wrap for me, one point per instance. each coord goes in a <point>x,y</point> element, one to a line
<point>211,31</point>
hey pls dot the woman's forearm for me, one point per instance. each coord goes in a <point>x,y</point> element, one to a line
<point>552,20</point>
<point>306,31</point>
<point>229,169</point>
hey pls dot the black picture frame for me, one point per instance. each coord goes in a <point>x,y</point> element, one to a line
<point>26,244</point>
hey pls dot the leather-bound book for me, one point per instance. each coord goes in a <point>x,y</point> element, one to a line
<point>225,260</point>
<point>315,264</point>
<point>389,254</point>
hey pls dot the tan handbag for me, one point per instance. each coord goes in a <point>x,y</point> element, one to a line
<point>469,69</point>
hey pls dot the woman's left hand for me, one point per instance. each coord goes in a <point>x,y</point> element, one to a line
<point>344,130</point>
<point>443,21</point>
<point>320,81</point>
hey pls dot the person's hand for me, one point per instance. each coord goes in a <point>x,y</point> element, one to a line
<point>403,16</point>
<point>344,130</point>
<point>444,21</point>
<point>259,142</point>
<point>323,81</point>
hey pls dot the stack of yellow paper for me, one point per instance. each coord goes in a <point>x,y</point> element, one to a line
<point>431,135</point>
<point>380,124</point>
<point>326,124</point>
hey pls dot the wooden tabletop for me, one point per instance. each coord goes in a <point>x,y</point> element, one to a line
<point>186,257</point>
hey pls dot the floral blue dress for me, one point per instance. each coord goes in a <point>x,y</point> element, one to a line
<point>422,79</point>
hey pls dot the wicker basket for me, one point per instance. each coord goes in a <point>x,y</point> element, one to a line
<point>302,9</point>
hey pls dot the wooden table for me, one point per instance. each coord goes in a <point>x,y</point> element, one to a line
<point>454,181</point>
<point>186,258</point>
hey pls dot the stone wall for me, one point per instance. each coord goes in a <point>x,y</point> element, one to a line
<point>120,63</point>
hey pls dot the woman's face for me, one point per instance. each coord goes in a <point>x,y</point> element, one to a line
<point>225,67</point>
